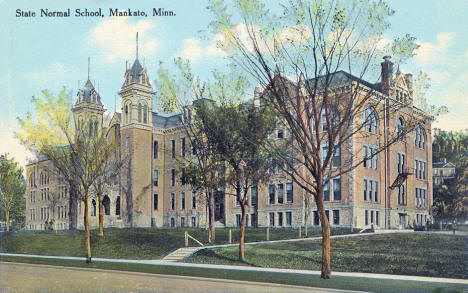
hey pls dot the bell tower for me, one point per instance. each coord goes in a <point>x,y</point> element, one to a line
<point>136,143</point>
<point>88,109</point>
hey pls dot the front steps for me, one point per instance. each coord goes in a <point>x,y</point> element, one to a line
<point>180,254</point>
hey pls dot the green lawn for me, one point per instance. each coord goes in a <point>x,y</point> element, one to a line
<point>135,243</point>
<point>419,254</point>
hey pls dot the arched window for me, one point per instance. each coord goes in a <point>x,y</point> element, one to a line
<point>126,113</point>
<point>145,113</point>
<point>106,205</point>
<point>117,206</point>
<point>139,112</point>
<point>93,208</point>
<point>369,119</point>
<point>31,180</point>
<point>400,125</point>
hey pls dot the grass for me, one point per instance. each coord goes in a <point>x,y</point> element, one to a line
<point>134,243</point>
<point>349,283</point>
<point>420,254</point>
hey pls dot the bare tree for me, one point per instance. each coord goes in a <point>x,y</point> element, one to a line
<point>298,59</point>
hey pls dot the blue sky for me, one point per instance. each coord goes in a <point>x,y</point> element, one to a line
<point>49,53</point>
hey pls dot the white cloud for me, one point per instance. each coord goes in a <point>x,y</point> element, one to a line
<point>427,51</point>
<point>105,37</point>
<point>193,50</point>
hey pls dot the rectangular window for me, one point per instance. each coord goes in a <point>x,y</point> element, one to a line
<point>372,217</point>
<point>280,193</point>
<point>194,222</point>
<point>316,218</point>
<point>173,148</point>
<point>272,219</point>
<point>155,177</point>
<point>424,170</point>
<point>238,220</point>
<point>366,218</point>
<point>373,152</point>
<point>155,201</point>
<point>377,218</point>
<point>324,153</point>
<point>336,217</point>
<point>182,221</point>
<point>280,219</point>
<point>172,177</point>
<point>336,156</point>
<point>364,156</point>
<point>323,119</point>
<point>172,201</point>
<point>172,222</point>
<point>271,192</point>
<point>376,192</point>
<point>183,177</point>
<point>155,149</point>
<point>254,195</point>
<point>194,199</point>
<point>182,147</point>
<point>326,190</point>
<point>182,199</point>
<point>337,189</point>
<point>289,192</point>
<point>289,218</point>
<point>364,186</point>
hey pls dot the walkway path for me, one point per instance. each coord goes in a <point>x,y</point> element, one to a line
<point>250,269</point>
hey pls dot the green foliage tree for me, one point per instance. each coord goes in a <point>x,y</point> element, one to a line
<point>12,189</point>
<point>79,156</point>
<point>239,133</point>
<point>295,55</point>
<point>451,197</point>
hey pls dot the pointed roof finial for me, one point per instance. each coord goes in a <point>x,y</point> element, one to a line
<point>88,67</point>
<point>137,45</point>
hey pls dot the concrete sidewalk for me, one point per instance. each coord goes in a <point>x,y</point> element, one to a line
<point>252,269</point>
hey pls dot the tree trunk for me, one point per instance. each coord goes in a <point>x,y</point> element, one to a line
<point>7,219</point>
<point>88,230</point>
<point>242,233</point>
<point>72,210</point>
<point>211,220</point>
<point>101,216</point>
<point>325,270</point>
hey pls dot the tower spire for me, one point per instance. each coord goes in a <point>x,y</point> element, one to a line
<point>88,67</point>
<point>137,45</point>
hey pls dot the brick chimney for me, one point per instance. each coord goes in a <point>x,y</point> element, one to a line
<point>387,74</point>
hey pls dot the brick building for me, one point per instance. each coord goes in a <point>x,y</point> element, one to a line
<point>390,190</point>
